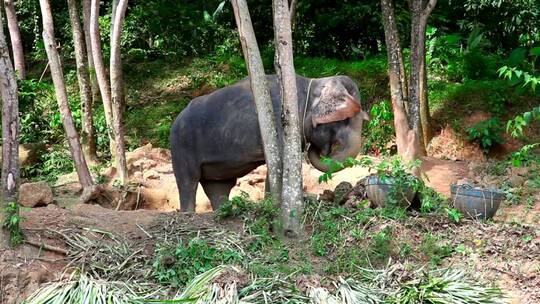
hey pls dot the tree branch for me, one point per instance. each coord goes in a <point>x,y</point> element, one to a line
<point>429,8</point>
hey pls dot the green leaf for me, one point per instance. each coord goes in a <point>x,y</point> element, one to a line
<point>535,51</point>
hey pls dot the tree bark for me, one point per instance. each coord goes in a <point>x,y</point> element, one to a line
<point>116,91</point>
<point>416,59</point>
<point>419,113</point>
<point>395,74</point>
<point>293,8</point>
<point>61,96</point>
<point>425,117</point>
<point>261,94</point>
<point>292,198</point>
<point>101,73</point>
<point>10,128</point>
<point>114,5</point>
<point>16,41</point>
<point>88,140</point>
<point>88,42</point>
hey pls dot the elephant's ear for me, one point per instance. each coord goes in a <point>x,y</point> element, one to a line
<point>334,109</point>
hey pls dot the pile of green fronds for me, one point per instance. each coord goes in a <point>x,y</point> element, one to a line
<point>379,286</point>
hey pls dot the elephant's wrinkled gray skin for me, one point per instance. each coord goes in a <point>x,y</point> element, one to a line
<point>216,138</point>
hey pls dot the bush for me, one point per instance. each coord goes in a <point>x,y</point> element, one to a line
<point>379,131</point>
<point>176,266</point>
<point>487,133</point>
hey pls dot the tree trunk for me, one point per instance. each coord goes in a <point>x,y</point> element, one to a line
<point>425,117</point>
<point>114,5</point>
<point>88,140</point>
<point>419,113</point>
<point>88,42</point>
<point>294,10</point>
<point>416,59</point>
<point>261,94</point>
<point>10,129</point>
<point>16,41</point>
<point>116,91</point>
<point>292,198</point>
<point>101,74</point>
<point>61,96</point>
<point>396,77</point>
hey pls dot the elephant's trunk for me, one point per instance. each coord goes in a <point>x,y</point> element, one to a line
<point>350,149</point>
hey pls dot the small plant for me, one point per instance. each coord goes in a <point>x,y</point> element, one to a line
<point>433,250</point>
<point>515,126</point>
<point>523,157</point>
<point>487,133</point>
<point>178,265</point>
<point>380,246</point>
<point>12,223</point>
<point>379,131</point>
<point>448,286</point>
<point>430,200</point>
<point>237,206</point>
<point>454,214</point>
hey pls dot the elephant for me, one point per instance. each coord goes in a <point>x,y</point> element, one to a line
<point>216,138</point>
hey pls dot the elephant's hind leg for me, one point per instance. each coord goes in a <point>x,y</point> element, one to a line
<point>218,191</point>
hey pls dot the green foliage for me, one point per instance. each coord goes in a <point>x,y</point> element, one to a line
<point>430,200</point>
<point>12,222</point>
<point>446,287</point>
<point>36,107</point>
<point>431,247</point>
<point>524,156</point>
<point>506,23</point>
<point>379,131</point>
<point>517,75</point>
<point>55,162</point>
<point>453,214</point>
<point>487,133</point>
<point>260,218</point>
<point>459,58</point>
<point>176,266</point>
<point>380,248</point>
<point>236,206</point>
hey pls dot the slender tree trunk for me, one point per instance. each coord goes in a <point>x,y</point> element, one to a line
<point>294,10</point>
<point>425,117</point>
<point>10,129</point>
<point>261,94</point>
<point>292,198</point>
<point>418,79</point>
<point>88,42</point>
<point>396,77</point>
<point>61,96</point>
<point>114,5</point>
<point>101,73</point>
<point>415,77</point>
<point>16,41</point>
<point>116,91</point>
<point>88,140</point>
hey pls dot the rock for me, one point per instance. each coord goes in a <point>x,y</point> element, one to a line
<point>342,189</point>
<point>143,164</point>
<point>35,194</point>
<point>354,201</point>
<point>516,180</point>
<point>136,176</point>
<point>327,195</point>
<point>150,174</point>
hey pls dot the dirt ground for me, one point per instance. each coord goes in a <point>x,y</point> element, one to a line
<point>506,258</point>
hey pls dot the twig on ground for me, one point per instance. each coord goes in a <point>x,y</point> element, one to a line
<point>47,247</point>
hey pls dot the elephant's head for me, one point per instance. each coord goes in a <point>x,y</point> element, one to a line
<point>334,120</point>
